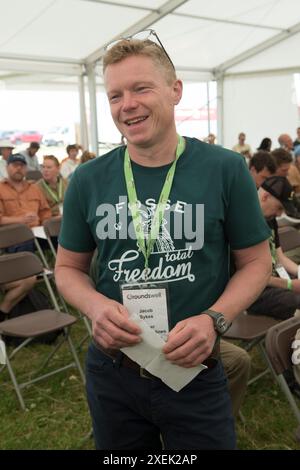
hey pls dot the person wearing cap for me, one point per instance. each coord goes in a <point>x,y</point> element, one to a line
<point>31,158</point>
<point>21,201</point>
<point>281,297</point>
<point>154,183</point>
<point>6,148</point>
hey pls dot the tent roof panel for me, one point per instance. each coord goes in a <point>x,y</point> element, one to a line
<point>199,35</point>
<point>202,44</point>
<point>264,12</point>
<point>283,55</point>
<point>68,29</point>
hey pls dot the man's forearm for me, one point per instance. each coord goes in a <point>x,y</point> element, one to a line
<point>243,289</point>
<point>277,282</point>
<point>6,220</point>
<point>77,288</point>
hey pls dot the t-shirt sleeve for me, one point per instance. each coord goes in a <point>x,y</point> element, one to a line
<point>75,234</point>
<point>245,224</point>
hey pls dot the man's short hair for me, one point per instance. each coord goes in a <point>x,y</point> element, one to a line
<point>71,147</point>
<point>52,158</point>
<point>281,156</point>
<point>261,160</point>
<point>34,145</point>
<point>135,47</point>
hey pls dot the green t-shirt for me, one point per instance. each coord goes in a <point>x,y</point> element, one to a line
<point>213,203</point>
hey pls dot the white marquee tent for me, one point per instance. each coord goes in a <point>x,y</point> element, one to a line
<point>249,48</point>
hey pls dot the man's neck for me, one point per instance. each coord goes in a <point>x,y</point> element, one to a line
<point>18,185</point>
<point>155,155</point>
<point>52,182</point>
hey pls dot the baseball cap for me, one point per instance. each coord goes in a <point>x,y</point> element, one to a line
<point>6,144</point>
<point>280,188</point>
<point>17,157</point>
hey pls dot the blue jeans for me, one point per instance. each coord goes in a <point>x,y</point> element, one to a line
<point>25,246</point>
<point>130,412</point>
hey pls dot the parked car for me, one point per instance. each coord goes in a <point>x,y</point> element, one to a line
<point>6,135</point>
<point>26,136</point>
<point>57,136</point>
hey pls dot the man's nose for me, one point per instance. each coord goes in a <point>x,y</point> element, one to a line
<point>129,101</point>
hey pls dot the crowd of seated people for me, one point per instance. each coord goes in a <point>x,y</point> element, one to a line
<point>30,203</point>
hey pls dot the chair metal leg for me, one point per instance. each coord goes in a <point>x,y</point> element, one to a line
<point>72,348</point>
<point>15,383</point>
<point>41,254</point>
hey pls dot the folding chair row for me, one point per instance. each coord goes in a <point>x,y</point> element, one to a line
<point>16,234</point>
<point>14,267</point>
<point>274,339</point>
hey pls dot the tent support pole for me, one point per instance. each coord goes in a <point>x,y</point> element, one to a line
<point>220,109</point>
<point>93,107</point>
<point>83,120</point>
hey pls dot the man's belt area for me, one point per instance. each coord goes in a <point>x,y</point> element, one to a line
<point>120,359</point>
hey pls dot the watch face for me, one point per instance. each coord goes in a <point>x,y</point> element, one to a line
<point>221,325</point>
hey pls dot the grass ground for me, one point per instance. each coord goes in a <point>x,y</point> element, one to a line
<point>58,418</point>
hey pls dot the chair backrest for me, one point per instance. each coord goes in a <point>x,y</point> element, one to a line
<point>278,344</point>
<point>289,238</point>
<point>34,175</point>
<point>52,226</point>
<point>17,266</point>
<point>247,327</point>
<point>14,234</point>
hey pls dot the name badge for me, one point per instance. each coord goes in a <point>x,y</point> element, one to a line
<point>150,303</point>
<point>282,272</point>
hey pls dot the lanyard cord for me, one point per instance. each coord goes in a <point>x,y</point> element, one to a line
<point>146,244</point>
<point>56,196</point>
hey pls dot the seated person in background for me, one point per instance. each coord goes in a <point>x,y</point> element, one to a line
<point>52,185</point>
<point>86,156</point>
<point>6,149</point>
<point>243,148</point>
<point>265,144</point>
<point>210,139</point>
<point>283,160</point>
<point>262,165</point>
<point>21,201</point>
<point>294,172</point>
<point>31,157</point>
<point>297,140</point>
<point>281,297</point>
<point>12,293</point>
<point>69,165</point>
<point>285,142</point>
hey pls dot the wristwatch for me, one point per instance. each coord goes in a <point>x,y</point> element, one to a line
<point>221,325</point>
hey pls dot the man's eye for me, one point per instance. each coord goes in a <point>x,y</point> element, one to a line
<point>114,98</point>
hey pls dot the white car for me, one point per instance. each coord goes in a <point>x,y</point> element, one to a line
<point>57,136</point>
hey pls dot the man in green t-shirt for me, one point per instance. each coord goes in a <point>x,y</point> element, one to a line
<point>162,213</point>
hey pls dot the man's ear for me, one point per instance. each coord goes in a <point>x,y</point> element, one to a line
<point>177,91</point>
<point>265,196</point>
